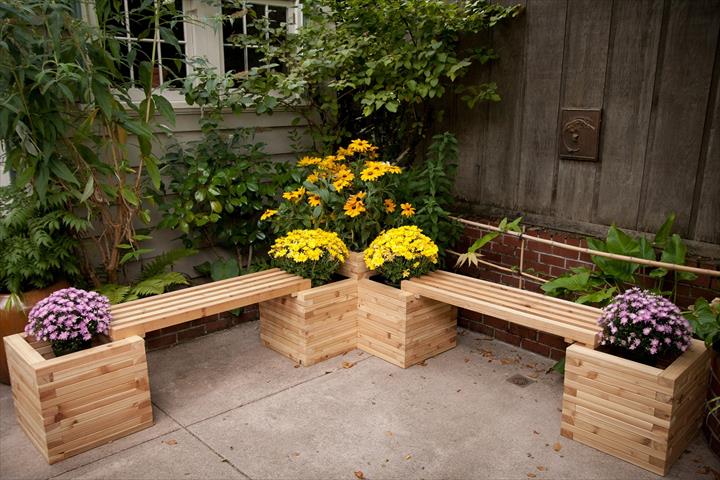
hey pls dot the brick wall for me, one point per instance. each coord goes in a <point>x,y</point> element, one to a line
<point>167,337</point>
<point>548,262</point>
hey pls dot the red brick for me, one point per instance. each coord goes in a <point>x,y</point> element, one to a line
<point>158,342</point>
<point>570,263</point>
<point>584,257</point>
<point>538,348</point>
<point>558,271</point>
<point>191,333</point>
<point>496,323</point>
<point>507,338</point>
<point>511,241</point>
<point>552,260</point>
<point>470,315</point>
<point>479,327</point>
<point>552,340</point>
<point>220,324</point>
<point>574,241</point>
<point>524,332</point>
<point>541,247</point>
<point>556,354</point>
<point>502,248</point>
<point>175,328</point>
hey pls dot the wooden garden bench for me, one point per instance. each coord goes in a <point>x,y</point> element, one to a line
<point>153,313</point>
<point>572,321</point>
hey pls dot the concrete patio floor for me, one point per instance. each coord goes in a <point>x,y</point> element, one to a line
<point>226,407</point>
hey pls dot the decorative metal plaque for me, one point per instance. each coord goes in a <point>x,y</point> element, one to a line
<point>579,134</point>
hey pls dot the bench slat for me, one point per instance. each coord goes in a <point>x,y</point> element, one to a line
<point>525,305</point>
<point>141,316</point>
<point>457,290</point>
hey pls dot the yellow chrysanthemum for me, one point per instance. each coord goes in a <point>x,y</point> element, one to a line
<point>389,205</point>
<point>309,245</point>
<point>403,244</point>
<point>267,214</point>
<point>407,210</point>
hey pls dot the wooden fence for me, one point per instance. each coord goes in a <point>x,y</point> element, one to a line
<point>651,67</point>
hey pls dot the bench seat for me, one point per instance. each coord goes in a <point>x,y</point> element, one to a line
<point>572,321</point>
<point>153,313</point>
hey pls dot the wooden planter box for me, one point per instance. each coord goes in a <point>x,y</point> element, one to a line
<point>641,414</point>
<point>400,327</point>
<point>76,402</point>
<point>354,267</point>
<point>312,325</point>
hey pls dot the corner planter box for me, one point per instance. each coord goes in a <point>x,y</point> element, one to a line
<point>76,402</point>
<point>641,414</point>
<point>400,327</point>
<point>354,267</point>
<point>312,325</point>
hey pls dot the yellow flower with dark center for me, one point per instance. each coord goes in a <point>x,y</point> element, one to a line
<point>354,205</point>
<point>389,205</point>
<point>267,214</point>
<point>313,177</point>
<point>295,195</point>
<point>343,178</point>
<point>307,161</point>
<point>313,200</point>
<point>407,210</point>
<point>374,170</point>
<point>360,146</point>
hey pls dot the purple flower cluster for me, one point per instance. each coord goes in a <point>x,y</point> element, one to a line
<point>69,314</point>
<point>645,323</point>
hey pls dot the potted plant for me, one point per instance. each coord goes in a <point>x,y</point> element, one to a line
<point>640,396</point>
<point>320,322</point>
<point>393,324</point>
<point>704,317</point>
<point>350,192</point>
<point>73,388</point>
<point>39,253</point>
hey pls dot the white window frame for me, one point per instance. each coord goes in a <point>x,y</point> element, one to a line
<point>203,37</point>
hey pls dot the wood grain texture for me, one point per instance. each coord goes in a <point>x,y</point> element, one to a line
<point>640,414</point>
<point>160,311</point>
<point>584,70</point>
<point>76,402</point>
<point>626,110</point>
<point>354,267</point>
<point>544,47</point>
<point>402,328</point>
<point>682,91</point>
<point>313,325</point>
<point>574,322</point>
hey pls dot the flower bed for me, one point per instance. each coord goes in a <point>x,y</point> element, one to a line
<point>642,414</point>
<point>313,325</point>
<point>76,402</point>
<point>400,327</point>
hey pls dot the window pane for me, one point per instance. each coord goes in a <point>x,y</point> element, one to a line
<point>255,12</point>
<point>254,58</point>
<point>234,58</point>
<point>277,15</point>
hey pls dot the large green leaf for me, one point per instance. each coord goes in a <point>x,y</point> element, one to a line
<point>576,282</point>
<point>662,235</point>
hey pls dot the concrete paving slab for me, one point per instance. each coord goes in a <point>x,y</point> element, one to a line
<point>19,459</point>
<point>196,380</point>
<point>174,456</point>
<point>456,417</point>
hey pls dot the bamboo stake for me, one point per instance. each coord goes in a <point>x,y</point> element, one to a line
<point>614,256</point>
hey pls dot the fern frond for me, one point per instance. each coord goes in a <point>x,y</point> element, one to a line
<point>163,261</point>
<point>115,293</point>
<point>158,284</point>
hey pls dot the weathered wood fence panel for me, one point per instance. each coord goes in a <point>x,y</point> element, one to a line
<point>652,66</point>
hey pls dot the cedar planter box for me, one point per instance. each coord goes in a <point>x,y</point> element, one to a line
<point>76,402</point>
<point>641,414</point>
<point>400,327</point>
<point>354,267</point>
<point>312,325</point>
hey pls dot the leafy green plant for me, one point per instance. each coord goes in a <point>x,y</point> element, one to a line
<point>704,317</point>
<point>367,68</point>
<point>430,184</point>
<point>67,115</point>
<point>155,278</point>
<point>611,276</point>
<point>38,241</point>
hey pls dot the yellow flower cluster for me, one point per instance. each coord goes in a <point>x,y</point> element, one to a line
<point>355,205</point>
<point>374,170</point>
<point>309,245</point>
<point>267,214</point>
<point>343,178</point>
<point>406,242</point>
